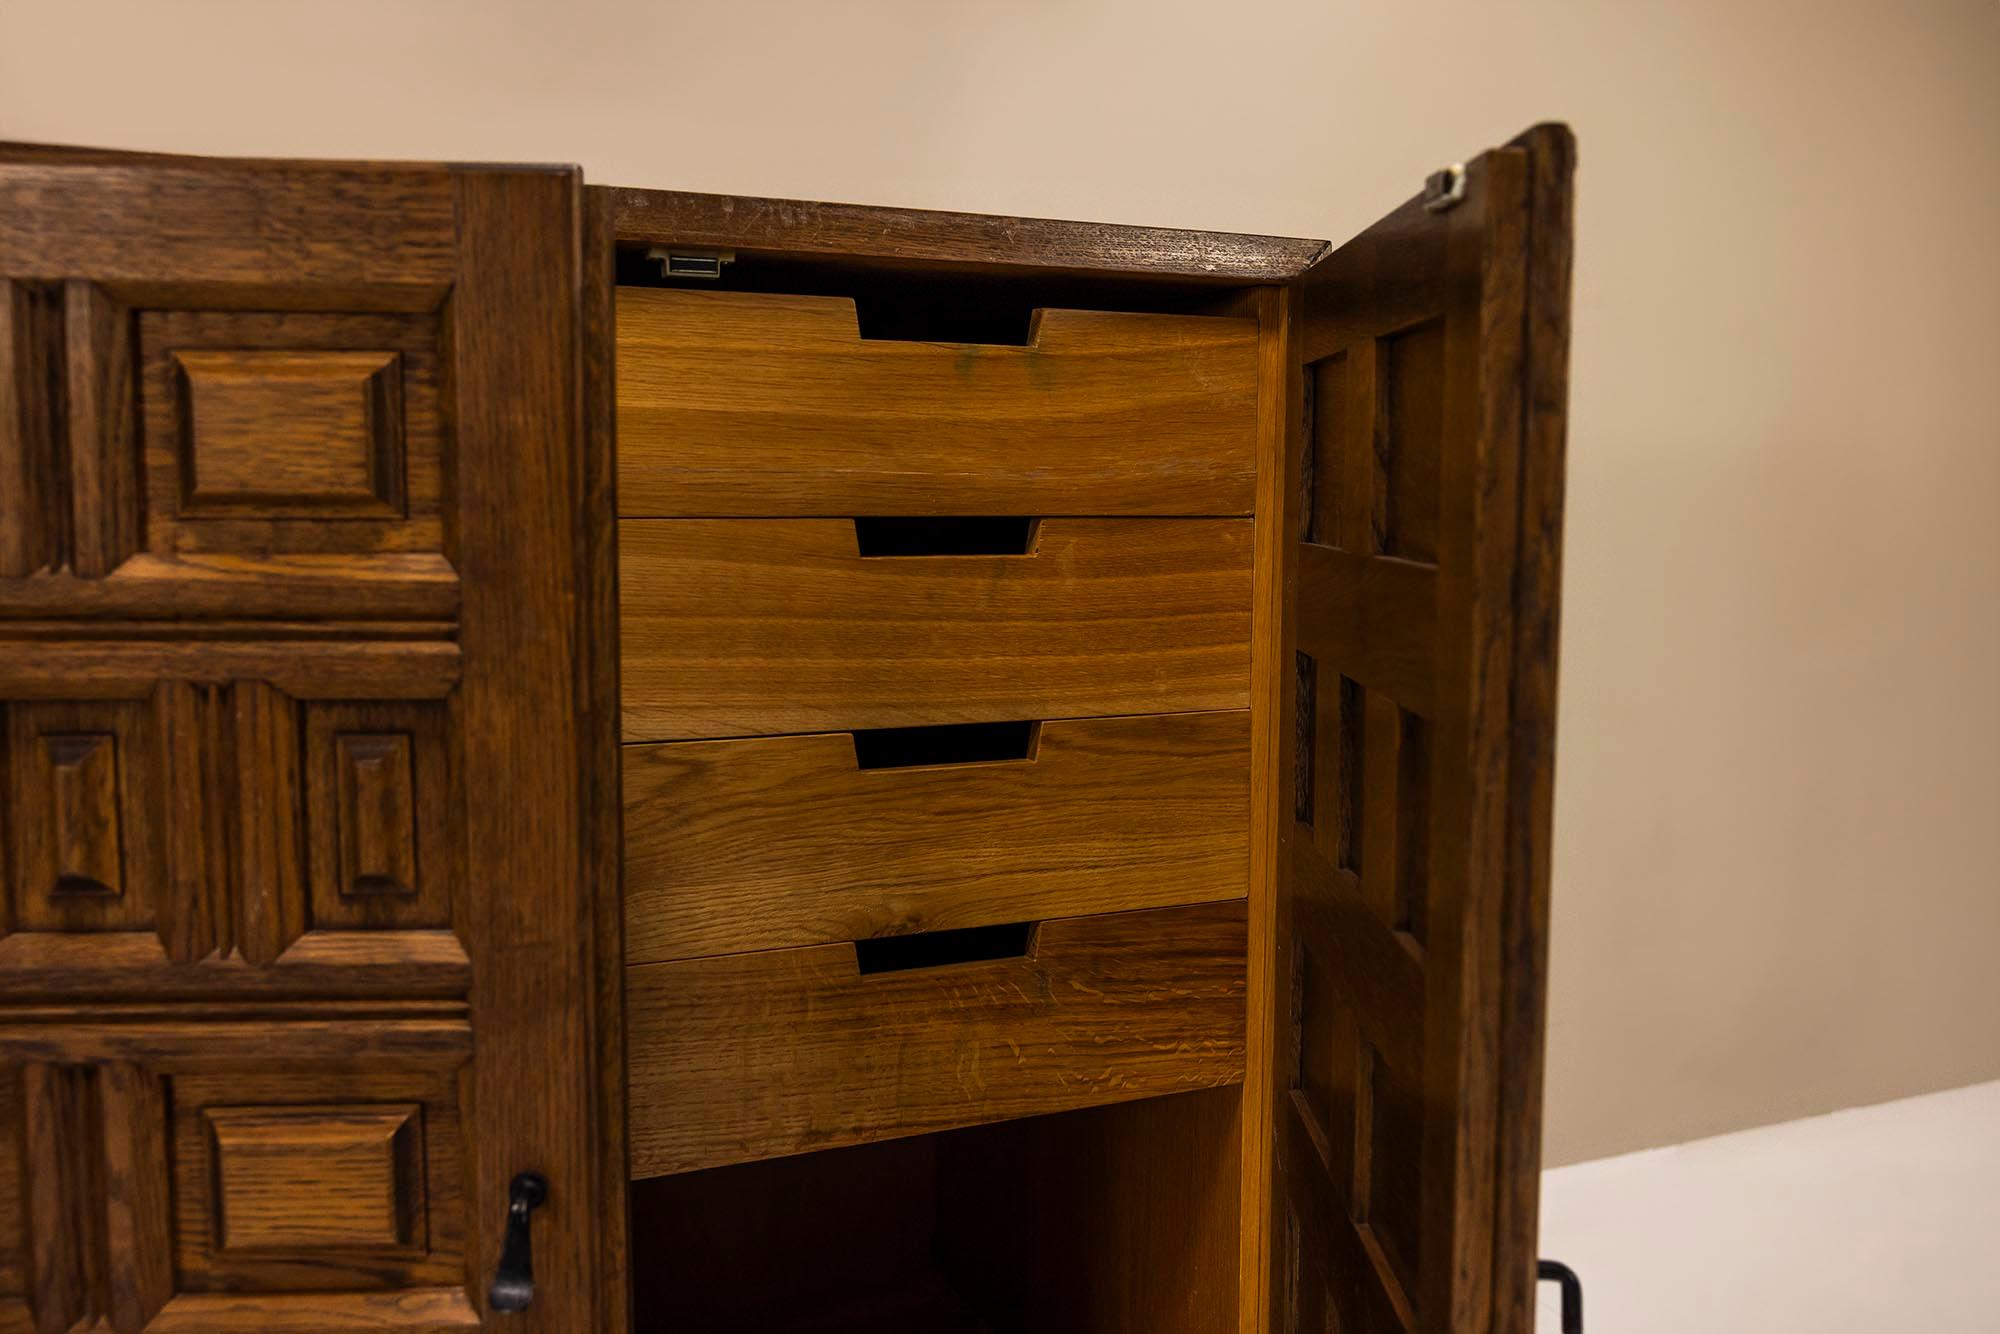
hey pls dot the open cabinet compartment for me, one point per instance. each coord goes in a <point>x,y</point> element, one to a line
<point>1120,1217</point>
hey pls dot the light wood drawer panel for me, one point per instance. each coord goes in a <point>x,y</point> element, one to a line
<point>770,626</point>
<point>758,1055</point>
<point>742,403</point>
<point>774,842</point>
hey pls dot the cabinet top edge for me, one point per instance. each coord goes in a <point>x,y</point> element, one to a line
<point>926,238</point>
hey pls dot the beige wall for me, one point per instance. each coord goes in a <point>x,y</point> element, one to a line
<point>1776,817</point>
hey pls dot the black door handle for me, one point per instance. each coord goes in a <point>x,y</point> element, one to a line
<point>1555,1271</point>
<point>513,1284</point>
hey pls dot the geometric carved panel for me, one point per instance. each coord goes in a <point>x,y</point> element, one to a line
<point>379,801</point>
<point>173,1173</point>
<point>271,434</point>
<point>337,1177</point>
<point>82,780</point>
<point>318,1178</point>
<point>377,812</point>
<point>80,775</point>
<point>306,434</point>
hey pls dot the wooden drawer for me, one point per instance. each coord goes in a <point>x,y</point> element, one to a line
<point>742,403</point>
<point>766,843</point>
<point>757,1055</point>
<point>762,627</point>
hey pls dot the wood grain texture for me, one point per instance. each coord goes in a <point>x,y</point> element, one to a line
<point>1409,938</point>
<point>741,628</point>
<point>756,1055</point>
<point>31,445</point>
<point>292,432</point>
<point>440,1310</point>
<point>276,434</point>
<point>411,586</point>
<point>1551,151</point>
<point>517,348</point>
<point>283,235</point>
<point>1113,1220</point>
<point>56,964</point>
<point>917,239</point>
<point>317,1177</point>
<point>744,403</point>
<point>1275,309</point>
<point>596,539</point>
<point>100,411</point>
<point>275,366</point>
<point>778,842</point>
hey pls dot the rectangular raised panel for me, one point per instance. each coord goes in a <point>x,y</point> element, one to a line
<point>377,813</point>
<point>746,403</point>
<point>380,815</point>
<point>765,843</point>
<point>82,777</point>
<point>304,1178</point>
<point>82,785</point>
<point>756,1055</point>
<point>759,627</point>
<point>1410,442</point>
<point>315,1169</point>
<point>291,433</point>
<point>272,436</point>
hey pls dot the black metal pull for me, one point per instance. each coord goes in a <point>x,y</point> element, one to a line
<point>513,1284</point>
<point>1555,1271</point>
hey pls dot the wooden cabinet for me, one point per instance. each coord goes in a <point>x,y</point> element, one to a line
<point>768,766</point>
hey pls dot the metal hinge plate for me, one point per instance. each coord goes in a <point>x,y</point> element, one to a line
<point>1445,187</point>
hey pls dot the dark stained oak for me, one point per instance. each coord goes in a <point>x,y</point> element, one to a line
<point>919,239</point>
<point>292,626</point>
<point>1412,885</point>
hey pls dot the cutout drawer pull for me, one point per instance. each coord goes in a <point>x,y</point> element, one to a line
<point>940,949</point>
<point>948,743</point>
<point>970,535</point>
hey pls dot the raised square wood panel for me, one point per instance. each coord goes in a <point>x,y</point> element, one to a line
<point>783,841</point>
<point>302,1178</point>
<point>745,403</point>
<point>781,1051</point>
<point>758,627</point>
<point>291,434</point>
<point>1420,639</point>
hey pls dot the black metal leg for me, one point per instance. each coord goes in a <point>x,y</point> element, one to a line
<point>1555,1271</point>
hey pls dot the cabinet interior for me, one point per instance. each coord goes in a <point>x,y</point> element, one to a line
<point>1121,1216</point>
<point>1118,1217</point>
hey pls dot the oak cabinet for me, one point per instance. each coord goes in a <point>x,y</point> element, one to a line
<point>598,759</point>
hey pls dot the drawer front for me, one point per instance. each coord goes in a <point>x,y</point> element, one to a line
<point>763,627</point>
<point>768,843</point>
<point>739,403</point>
<point>759,1055</point>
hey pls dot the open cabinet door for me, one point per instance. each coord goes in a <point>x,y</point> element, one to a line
<point>296,964</point>
<point>1420,626</point>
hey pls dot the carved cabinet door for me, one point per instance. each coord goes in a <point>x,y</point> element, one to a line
<point>295,948</point>
<point>1420,628</point>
